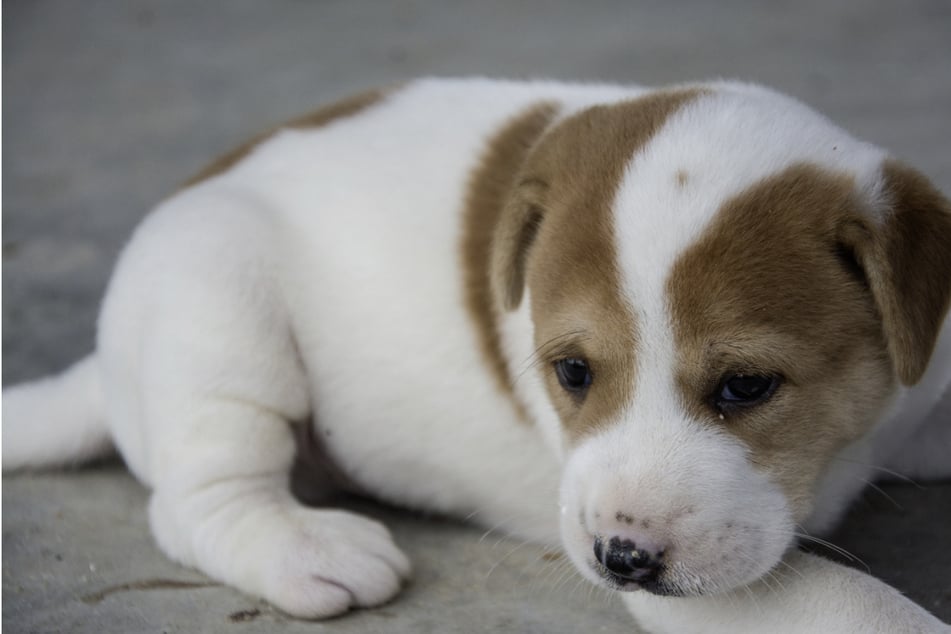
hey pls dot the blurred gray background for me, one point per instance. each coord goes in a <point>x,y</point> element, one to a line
<point>109,105</point>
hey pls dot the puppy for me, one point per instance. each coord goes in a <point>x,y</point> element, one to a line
<point>703,314</point>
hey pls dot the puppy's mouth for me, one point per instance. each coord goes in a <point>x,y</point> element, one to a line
<point>655,586</point>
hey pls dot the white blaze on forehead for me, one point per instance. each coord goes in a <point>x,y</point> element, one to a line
<point>709,151</point>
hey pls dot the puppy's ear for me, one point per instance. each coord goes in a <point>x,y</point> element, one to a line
<point>514,235</point>
<point>907,262</point>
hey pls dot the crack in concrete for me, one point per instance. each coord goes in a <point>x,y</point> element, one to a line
<point>146,584</point>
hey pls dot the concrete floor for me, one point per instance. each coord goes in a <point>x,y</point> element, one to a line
<point>109,105</point>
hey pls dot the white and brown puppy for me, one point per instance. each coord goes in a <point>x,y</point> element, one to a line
<point>676,327</point>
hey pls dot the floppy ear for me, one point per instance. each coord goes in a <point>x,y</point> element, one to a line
<point>907,263</point>
<point>514,235</point>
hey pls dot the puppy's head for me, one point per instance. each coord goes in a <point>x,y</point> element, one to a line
<point>725,290</point>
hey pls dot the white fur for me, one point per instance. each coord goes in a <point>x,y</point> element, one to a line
<point>808,594</point>
<point>58,419</point>
<point>318,280</point>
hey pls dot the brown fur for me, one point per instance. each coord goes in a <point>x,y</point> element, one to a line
<point>778,285</point>
<point>681,178</point>
<point>908,264</point>
<point>489,186</point>
<point>328,114</point>
<point>556,237</point>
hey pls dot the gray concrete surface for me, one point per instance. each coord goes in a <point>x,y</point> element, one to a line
<point>109,105</point>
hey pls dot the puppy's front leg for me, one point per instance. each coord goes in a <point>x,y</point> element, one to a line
<point>806,594</point>
<point>215,382</point>
<point>227,511</point>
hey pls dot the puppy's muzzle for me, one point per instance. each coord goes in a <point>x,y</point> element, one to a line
<point>625,562</point>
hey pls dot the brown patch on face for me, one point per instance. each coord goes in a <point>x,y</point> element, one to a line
<point>556,237</point>
<point>347,107</point>
<point>773,287</point>
<point>490,184</point>
<point>681,178</point>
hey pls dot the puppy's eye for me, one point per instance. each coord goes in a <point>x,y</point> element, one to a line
<point>573,374</point>
<point>744,390</point>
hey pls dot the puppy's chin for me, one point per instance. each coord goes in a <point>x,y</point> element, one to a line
<point>701,522</point>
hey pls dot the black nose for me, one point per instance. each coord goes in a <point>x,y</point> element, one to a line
<point>628,562</point>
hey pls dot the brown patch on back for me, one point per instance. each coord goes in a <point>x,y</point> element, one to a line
<point>488,188</point>
<point>681,178</point>
<point>556,237</point>
<point>772,288</point>
<point>326,115</point>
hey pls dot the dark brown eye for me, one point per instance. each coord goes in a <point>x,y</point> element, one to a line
<point>745,390</point>
<point>573,374</point>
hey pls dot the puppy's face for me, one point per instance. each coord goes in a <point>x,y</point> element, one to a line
<point>725,290</point>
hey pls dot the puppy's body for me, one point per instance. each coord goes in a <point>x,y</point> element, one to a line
<point>410,275</point>
<point>356,227</point>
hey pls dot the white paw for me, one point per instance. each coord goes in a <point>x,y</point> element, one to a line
<point>310,563</point>
<point>319,563</point>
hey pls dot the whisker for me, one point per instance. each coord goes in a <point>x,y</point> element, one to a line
<point>565,578</point>
<point>890,472</point>
<point>541,351</point>
<point>579,583</point>
<point>523,371</point>
<point>878,489</point>
<point>752,596</point>
<point>766,577</point>
<point>791,568</point>
<point>837,549</point>
<point>822,542</point>
<point>774,577</point>
<point>589,593</point>
<point>553,568</point>
<point>497,527</point>
<point>734,599</point>
<point>505,556</point>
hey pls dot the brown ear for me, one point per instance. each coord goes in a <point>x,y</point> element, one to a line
<point>518,226</point>
<point>907,262</point>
